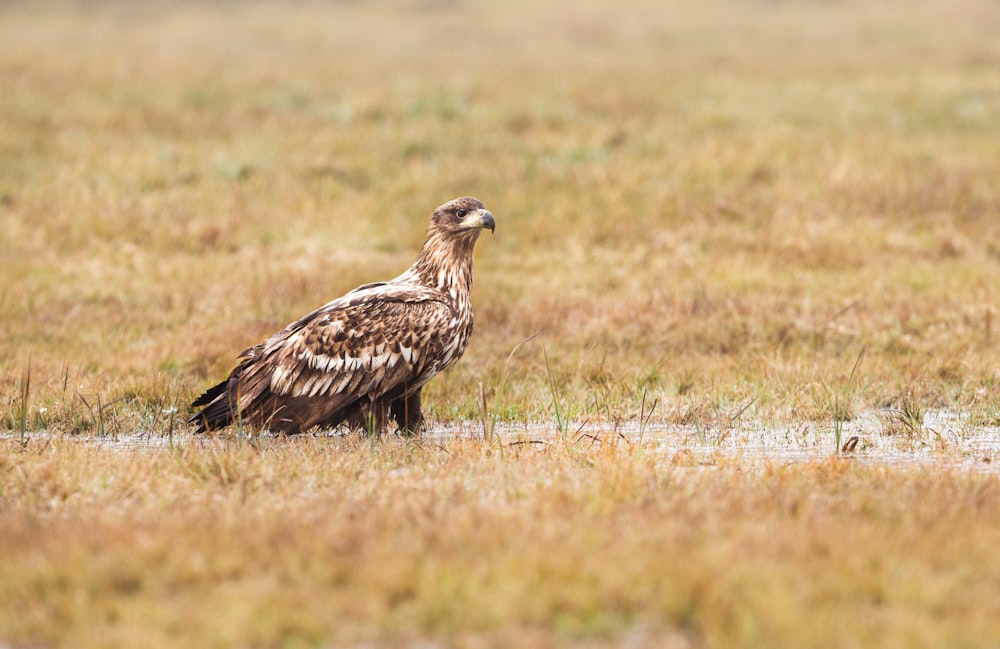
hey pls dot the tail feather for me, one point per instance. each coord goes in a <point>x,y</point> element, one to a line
<point>210,394</point>
<point>217,412</point>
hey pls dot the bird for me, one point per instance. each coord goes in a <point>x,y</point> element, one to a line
<point>362,358</point>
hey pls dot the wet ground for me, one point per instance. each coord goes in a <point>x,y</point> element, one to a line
<point>942,439</point>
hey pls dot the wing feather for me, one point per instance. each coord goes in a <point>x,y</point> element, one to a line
<point>369,343</point>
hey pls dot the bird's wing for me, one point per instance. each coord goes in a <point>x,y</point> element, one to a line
<point>367,343</point>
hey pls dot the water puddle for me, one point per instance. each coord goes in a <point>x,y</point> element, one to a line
<point>944,438</point>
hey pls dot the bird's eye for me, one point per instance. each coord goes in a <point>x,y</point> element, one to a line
<point>461,214</point>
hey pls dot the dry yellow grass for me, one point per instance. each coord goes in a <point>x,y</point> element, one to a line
<point>716,202</point>
<point>785,214</point>
<point>346,542</point>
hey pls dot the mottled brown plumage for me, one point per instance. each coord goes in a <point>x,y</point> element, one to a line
<point>364,357</point>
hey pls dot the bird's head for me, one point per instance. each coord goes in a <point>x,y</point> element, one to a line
<point>446,258</point>
<point>462,215</point>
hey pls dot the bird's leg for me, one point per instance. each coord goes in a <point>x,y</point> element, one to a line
<point>367,416</point>
<point>405,411</point>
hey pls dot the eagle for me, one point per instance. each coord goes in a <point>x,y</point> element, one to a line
<point>363,357</point>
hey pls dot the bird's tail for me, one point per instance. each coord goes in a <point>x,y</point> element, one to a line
<point>217,411</point>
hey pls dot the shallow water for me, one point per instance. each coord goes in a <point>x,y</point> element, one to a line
<point>945,439</point>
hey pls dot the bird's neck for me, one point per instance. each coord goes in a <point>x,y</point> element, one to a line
<point>446,262</point>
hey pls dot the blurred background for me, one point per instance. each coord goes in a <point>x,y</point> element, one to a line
<point>712,202</point>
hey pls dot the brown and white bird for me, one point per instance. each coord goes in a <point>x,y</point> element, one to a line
<point>363,357</point>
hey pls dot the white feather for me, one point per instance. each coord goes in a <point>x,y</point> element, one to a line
<point>283,380</point>
<point>303,388</point>
<point>320,383</point>
<point>341,385</point>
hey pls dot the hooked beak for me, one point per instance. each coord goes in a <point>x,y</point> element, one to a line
<point>486,220</point>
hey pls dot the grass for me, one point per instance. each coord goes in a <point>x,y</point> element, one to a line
<point>709,208</point>
<point>673,218</point>
<point>341,542</point>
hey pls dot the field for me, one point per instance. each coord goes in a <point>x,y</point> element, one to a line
<point>735,377</point>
